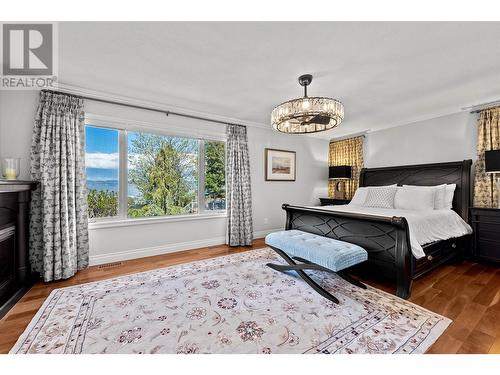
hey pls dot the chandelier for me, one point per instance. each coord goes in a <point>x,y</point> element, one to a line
<point>307,114</point>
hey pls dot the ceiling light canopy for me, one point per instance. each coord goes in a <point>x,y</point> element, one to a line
<point>308,114</point>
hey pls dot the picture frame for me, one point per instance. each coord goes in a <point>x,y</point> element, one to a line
<point>280,165</point>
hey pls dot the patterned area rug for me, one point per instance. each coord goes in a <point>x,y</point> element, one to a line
<point>230,304</point>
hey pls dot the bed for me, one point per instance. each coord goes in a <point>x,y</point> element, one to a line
<point>387,238</point>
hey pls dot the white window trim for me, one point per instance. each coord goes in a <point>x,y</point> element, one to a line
<point>201,176</point>
<point>112,222</point>
<point>151,127</point>
<point>122,175</point>
<point>123,127</point>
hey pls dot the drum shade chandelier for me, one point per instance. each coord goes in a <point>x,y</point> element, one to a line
<point>309,114</point>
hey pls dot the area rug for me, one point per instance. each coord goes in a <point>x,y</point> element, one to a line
<point>229,304</point>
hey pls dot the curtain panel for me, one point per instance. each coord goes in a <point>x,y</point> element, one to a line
<point>59,218</point>
<point>488,130</point>
<point>346,152</point>
<point>239,194</point>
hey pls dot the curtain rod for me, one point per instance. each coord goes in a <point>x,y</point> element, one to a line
<point>481,107</point>
<point>152,109</point>
<point>348,136</point>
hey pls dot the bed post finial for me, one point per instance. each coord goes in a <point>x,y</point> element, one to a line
<point>288,222</point>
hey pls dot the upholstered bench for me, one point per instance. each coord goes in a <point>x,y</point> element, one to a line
<point>315,252</point>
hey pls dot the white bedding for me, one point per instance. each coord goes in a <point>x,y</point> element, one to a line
<point>424,226</point>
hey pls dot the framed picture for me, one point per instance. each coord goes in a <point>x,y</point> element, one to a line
<point>280,165</point>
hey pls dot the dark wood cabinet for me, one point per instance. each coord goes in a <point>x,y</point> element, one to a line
<point>7,264</point>
<point>15,270</point>
<point>332,201</point>
<point>486,226</point>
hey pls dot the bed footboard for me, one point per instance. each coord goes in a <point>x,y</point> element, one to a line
<point>386,240</point>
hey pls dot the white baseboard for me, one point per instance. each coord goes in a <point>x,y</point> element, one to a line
<point>117,256</point>
<point>263,233</point>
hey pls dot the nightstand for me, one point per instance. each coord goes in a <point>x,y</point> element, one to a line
<point>486,226</point>
<point>332,201</point>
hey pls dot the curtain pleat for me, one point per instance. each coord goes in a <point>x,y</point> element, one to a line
<point>59,217</point>
<point>485,186</point>
<point>346,152</point>
<point>239,194</point>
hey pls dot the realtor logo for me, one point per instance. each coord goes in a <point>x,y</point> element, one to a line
<point>28,55</point>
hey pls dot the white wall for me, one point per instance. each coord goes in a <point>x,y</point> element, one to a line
<point>109,244</point>
<point>447,138</point>
<point>311,181</point>
<point>17,111</point>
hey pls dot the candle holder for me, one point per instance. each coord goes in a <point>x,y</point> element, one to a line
<point>10,168</point>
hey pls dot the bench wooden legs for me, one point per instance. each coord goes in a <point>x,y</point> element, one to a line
<point>307,265</point>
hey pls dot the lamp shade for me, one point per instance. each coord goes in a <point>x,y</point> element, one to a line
<point>492,161</point>
<point>340,171</point>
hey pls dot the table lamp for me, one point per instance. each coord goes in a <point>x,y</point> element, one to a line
<point>492,165</point>
<point>340,172</point>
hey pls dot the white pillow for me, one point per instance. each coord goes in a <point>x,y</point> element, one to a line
<point>448,197</point>
<point>414,198</point>
<point>359,197</point>
<point>440,190</point>
<point>380,196</point>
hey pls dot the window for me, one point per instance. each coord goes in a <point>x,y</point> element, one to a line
<point>139,174</point>
<point>162,175</point>
<point>215,177</point>
<point>101,161</point>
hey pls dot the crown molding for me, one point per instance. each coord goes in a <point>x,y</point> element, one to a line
<point>82,91</point>
<point>449,111</point>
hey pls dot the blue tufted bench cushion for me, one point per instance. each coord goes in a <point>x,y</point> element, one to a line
<point>333,254</point>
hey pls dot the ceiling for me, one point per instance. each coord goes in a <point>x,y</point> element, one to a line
<point>386,74</point>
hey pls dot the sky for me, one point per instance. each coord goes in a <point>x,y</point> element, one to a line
<point>101,140</point>
<point>101,146</point>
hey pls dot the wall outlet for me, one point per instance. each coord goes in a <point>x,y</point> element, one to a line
<point>266,220</point>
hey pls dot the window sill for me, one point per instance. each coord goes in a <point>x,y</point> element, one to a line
<point>118,222</point>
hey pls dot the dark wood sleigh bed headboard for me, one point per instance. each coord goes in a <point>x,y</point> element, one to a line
<point>425,175</point>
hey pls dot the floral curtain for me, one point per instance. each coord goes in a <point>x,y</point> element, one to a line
<point>346,152</point>
<point>238,195</point>
<point>485,187</point>
<point>58,221</point>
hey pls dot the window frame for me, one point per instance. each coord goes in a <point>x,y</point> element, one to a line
<point>124,127</point>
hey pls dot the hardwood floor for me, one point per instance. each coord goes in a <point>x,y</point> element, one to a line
<point>468,293</point>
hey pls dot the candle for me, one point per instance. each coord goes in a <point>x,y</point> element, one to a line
<point>10,174</point>
<point>10,168</point>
